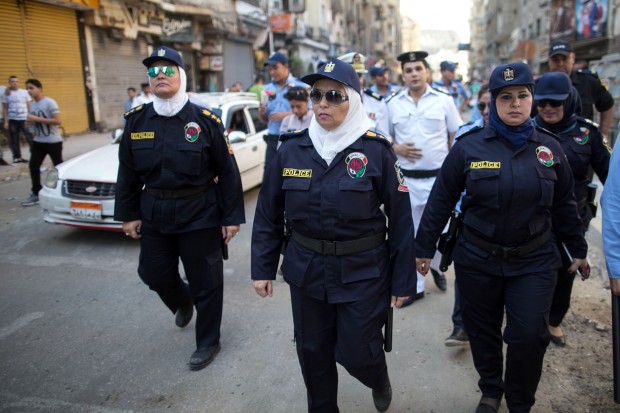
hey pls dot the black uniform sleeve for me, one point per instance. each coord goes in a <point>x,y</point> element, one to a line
<point>602,98</point>
<point>397,207</point>
<point>229,178</point>
<point>564,214</point>
<point>446,192</point>
<point>268,229</point>
<point>601,154</point>
<point>128,182</point>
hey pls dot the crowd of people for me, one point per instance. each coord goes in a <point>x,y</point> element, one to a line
<point>359,185</point>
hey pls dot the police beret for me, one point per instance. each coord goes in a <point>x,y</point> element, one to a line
<point>554,86</point>
<point>418,56</point>
<point>335,70</point>
<point>510,74</point>
<point>164,53</point>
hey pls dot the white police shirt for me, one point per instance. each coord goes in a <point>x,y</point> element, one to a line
<point>377,111</point>
<point>425,124</point>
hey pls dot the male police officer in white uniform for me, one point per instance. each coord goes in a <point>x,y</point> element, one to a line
<point>374,104</point>
<point>424,122</point>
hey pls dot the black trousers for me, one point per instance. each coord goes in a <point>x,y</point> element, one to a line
<point>347,333</point>
<point>526,300</point>
<point>15,126</point>
<point>38,151</point>
<point>201,254</point>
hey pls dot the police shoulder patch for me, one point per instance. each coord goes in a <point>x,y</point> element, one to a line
<point>589,122</point>
<point>377,136</point>
<point>133,110</point>
<point>212,116</point>
<point>373,94</point>
<point>293,134</point>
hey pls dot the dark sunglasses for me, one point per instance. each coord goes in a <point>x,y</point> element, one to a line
<point>333,97</point>
<point>481,106</point>
<point>166,70</point>
<point>553,103</point>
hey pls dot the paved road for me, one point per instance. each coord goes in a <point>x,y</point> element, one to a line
<point>79,332</point>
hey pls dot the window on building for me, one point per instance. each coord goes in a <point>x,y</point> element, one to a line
<point>537,27</point>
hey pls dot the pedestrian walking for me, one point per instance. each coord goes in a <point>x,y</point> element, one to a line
<point>519,187</point>
<point>330,182</point>
<point>585,149</point>
<point>167,195</point>
<point>424,122</point>
<point>16,105</point>
<point>44,117</point>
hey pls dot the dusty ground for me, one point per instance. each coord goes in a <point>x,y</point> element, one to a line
<point>578,377</point>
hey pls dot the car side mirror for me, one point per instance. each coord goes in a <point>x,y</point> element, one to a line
<point>117,134</point>
<point>237,136</point>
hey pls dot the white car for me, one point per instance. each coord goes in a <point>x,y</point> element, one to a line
<point>80,192</point>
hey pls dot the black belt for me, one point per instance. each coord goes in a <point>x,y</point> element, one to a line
<point>177,193</point>
<point>417,174</point>
<point>326,247</point>
<point>497,250</point>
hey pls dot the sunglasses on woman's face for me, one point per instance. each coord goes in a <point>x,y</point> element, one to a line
<point>481,106</point>
<point>333,97</point>
<point>166,70</point>
<point>553,103</point>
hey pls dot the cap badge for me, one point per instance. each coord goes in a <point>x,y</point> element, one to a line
<point>545,156</point>
<point>161,52</point>
<point>329,67</point>
<point>509,74</point>
<point>412,56</point>
<point>356,164</point>
<point>192,131</point>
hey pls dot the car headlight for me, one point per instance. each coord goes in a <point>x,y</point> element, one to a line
<point>51,180</point>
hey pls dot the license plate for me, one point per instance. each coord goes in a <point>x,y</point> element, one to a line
<point>88,211</point>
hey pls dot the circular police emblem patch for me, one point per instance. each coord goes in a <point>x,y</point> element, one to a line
<point>544,156</point>
<point>356,164</point>
<point>192,131</point>
<point>583,139</point>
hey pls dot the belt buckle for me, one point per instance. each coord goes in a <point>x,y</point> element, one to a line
<point>328,247</point>
<point>511,252</point>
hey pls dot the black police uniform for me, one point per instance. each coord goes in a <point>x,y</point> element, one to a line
<point>584,147</point>
<point>513,199</point>
<point>166,179</point>
<point>340,269</point>
<point>592,92</point>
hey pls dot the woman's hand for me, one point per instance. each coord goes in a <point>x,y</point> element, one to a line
<point>581,263</point>
<point>398,301</point>
<point>423,265</point>
<point>264,288</point>
<point>229,232</point>
<point>132,228</point>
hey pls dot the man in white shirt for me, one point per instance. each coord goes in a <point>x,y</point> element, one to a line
<point>423,124</point>
<point>16,105</point>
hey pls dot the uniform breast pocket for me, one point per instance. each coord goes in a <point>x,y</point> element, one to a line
<point>582,152</point>
<point>483,187</point>
<point>142,152</point>
<point>188,158</point>
<point>357,198</point>
<point>297,197</point>
<point>547,178</point>
<point>433,121</point>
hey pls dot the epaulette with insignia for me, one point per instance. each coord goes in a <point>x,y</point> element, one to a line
<point>387,99</point>
<point>377,136</point>
<point>547,131</point>
<point>133,110</point>
<point>589,122</point>
<point>438,89</point>
<point>293,134</point>
<point>373,94</point>
<point>211,116</point>
<point>469,131</point>
<point>587,72</point>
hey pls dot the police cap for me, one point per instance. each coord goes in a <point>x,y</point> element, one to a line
<point>554,86</point>
<point>445,65</point>
<point>407,57</point>
<point>164,53</point>
<point>510,74</point>
<point>276,58</point>
<point>563,48</point>
<point>336,70</point>
<point>355,59</point>
<point>378,70</point>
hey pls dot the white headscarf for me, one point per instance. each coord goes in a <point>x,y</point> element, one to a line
<point>329,143</point>
<point>172,106</point>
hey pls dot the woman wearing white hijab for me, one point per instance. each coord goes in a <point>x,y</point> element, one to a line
<point>171,152</point>
<point>330,181</point>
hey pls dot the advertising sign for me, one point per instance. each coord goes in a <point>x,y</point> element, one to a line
<point>591,18</point>
<point>177,28</point>
<point>563,20</point>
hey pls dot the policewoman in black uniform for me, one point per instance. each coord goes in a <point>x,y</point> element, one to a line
<point>584,147</point>
<point>170,155</point>
<point>330,181</point>
<point>519,186</point>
